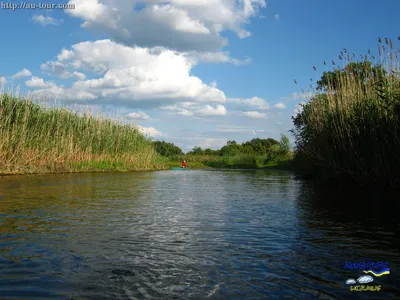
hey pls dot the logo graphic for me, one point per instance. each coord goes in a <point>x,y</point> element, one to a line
<point>351,281</point>
<point>384,271</point>
<point>365,279</point>
<point>377,269</point>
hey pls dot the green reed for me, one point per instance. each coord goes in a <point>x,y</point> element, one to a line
<point>351,130</point>
<point>36,139</point>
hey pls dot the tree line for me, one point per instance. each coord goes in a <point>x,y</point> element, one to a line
<point>256,146</point>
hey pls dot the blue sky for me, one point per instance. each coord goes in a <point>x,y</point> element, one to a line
<point>195,73</point>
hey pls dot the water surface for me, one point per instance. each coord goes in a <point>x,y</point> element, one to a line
<point>190,235</point>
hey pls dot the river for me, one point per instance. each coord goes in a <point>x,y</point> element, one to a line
<point>191,235</point>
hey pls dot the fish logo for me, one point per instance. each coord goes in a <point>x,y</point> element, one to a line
<point>384,271</point>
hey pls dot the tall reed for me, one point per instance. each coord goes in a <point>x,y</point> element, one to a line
<point>350,131</point>
<point>36,139</point>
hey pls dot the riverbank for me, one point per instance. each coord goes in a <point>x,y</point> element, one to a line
<point>35,139</point>
<point>234,162</point>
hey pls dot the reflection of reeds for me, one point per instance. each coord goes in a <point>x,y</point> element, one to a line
<point>35,139</point>
<point>352,129</point>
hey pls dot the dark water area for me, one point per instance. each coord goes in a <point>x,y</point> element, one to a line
<point>192,235</point>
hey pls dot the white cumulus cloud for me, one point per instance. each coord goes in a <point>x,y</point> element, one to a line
<point>37,82</point>
<point>217,57</point>
<point>254,114</point>
<point>208,110</point>
<point>149,131</point>
<point>188,24</point>
<point>188,110</point>
<point>280,105</point>
<point>138,116</point>
<point>21,74</point>
<point>255,102</point>
<point>131,76</point>
<point>45,20</point>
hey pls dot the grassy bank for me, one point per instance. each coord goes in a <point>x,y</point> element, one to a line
<point>232,162</point>
<point>36,139</point>
<point>350,130</point>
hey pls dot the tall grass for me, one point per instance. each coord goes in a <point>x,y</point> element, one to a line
<point>37,139</point>
<point>351,131</point>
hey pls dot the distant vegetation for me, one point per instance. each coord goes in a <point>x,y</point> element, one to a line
<point>349,131</point>
<point>35,139</point>
<point>38,139</point>
<point>257,153</point>
<point>166,149</point>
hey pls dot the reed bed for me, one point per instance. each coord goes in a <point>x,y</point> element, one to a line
<point>39,139</point>
<point>350,130</point>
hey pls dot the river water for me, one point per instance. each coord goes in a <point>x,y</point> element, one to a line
<point>191,235</point>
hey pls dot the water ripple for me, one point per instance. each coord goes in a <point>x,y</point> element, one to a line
<point>185,235</point>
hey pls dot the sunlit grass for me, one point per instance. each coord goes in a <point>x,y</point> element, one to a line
<point>37,138</point>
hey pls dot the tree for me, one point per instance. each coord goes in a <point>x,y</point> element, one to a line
<point>284,144</point>
<point>247,148</point>
<point>208,151</point>
<point>362,72</point>
<point>259,146</point>
<point>270,142</point>
<point>197,151</point>
<point>231,149</point>
<point>166,149</point>
<point>330,79</point>
<point>273,153</point>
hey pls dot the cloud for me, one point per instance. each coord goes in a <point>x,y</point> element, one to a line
<point>194,110</point>
<point>277,17</point>
<point>138,116</point>
<point>199,141</point>
<point>134,77</point>
<point>149,131</point>
<point>185,112</point>
<point>254,114</point>
<point>46,20</point>
<point>21,74</point>
<point>238,130</point>
<point>58,69</point>
<point>256,102</point>
<point>188,24</point>
<point>280,105</point>
<point>243,131</point>
<point>49,89</point>
<point>212,143</point>
<point>217,57</point>
<point>208,110</point>
<point>299,96</point>
<point>37,82</point>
